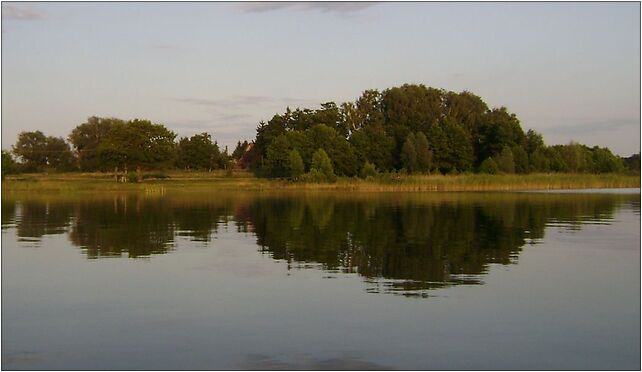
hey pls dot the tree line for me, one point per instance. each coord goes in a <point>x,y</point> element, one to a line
<point>410,129</point>
<point>416,129</point>
<point>105,144</point>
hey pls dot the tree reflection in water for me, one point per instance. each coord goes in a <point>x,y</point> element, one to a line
<point>400,243</point>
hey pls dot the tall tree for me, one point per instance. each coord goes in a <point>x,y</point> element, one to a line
<point>632,163</point>
<point>31,149</point>
<point>520,158</point>
<point>505,161</point>
<point>539,160</point>
<point>138,143</point>
<point>265,134</point>
<point>369,110</point>
<point>87,138</point>
<point>466,108</point>
<point>498,129</point>
<point>424,155</point>
<point>451,147</point>
<point>59,155</point>
<point>296,165</point>
<point>575,157</point>
<point>534,141</point>
<point>372,144</point>
<point>605,162</point>
<point>278,158</point>
<point>416,107</point>
<point>239,150</point>
<point>321,163</point>
<point>409,154</point>
<point>336,147</point>
<point>330,115</point>
<point>198,152</point>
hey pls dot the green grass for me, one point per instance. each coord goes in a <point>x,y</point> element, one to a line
<point>245,181</point>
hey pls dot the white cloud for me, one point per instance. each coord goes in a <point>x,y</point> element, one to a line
<point>10,12</point>
<point>325,7</point>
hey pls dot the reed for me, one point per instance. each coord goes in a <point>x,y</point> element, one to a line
<point>245,181</point>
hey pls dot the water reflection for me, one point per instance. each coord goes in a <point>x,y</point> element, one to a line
<point>414,243</point>
<point>407,244</point>
<point>126,224</point>
<point>37,218</point>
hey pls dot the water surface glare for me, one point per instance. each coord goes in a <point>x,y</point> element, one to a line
<point>207,280</point>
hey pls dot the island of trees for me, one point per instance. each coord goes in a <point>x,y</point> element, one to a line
<point>411,129</point>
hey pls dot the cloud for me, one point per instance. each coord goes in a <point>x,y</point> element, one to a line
<point>232,118</point>
<point>325,7</point>
<point>226,131</point>
<point>575,126</point>
<point>213,122</point>
<point>228,102</point>
<point>239,102</point>
<point>10,12</point>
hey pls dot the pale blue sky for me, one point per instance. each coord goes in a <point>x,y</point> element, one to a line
<point>568,70</point>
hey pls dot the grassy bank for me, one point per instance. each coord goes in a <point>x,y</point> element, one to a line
<point>240,180</point>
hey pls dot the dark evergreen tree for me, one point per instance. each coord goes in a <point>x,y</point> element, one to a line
<point>505,160</point>
<point>424,155</point>
<point>409,154</point>
<point>520,157</point>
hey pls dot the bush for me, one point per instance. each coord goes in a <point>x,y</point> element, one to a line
<point>505,161</point>
<point>296,165</point>
<point>314,176</point>
<point>132,177</point>
<point>368,170</point>
<point>9,165</point>
<point>322,164</point>
<point>488,166</point>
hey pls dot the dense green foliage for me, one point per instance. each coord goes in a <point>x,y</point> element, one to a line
<point>419,129</point>
<point>87,138</point>
<point>368,170</point>
<point>39,152</point>
<point>105,144</point>
<point>411,128</point>
<point>240,149</point>
<point>9,165</point>
<point>137,143</point>
<point>199,152</point>
<point>488,166</point>
<point>632,163</point>
<point>296,165</point>
<point>321,165</point>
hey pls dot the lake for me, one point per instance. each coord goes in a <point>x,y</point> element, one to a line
<point>172,279</point>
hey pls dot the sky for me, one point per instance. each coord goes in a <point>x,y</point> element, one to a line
<point>570,71</point>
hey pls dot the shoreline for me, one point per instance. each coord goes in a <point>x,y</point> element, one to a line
<point>245,181</point>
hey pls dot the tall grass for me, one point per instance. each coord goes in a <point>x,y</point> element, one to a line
<point>483,182</point>
<point>193,181</point>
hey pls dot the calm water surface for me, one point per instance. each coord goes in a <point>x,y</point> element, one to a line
<point>178,280</point>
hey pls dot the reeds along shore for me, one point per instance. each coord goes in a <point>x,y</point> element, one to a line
<point>245,181</point>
